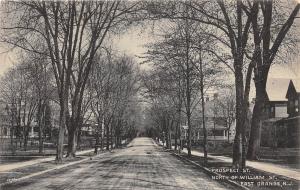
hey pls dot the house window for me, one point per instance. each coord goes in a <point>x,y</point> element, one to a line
<point>296,103</point>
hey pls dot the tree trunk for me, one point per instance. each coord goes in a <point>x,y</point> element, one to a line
<point>111,137</point>
<point>74,142</point>
<point>176,135</point>
<point>40,108</point>
<point>79,138</point>
<point>26,137</point>
<point>189,145</point>
<point>204,125</point>
<point>167,137</point>
<point>237,145</point>
<point>41,147</point>
<point>188,111</point>
<point>97,143</point>
<point>258,111</point>
<point>72,138</point>
<point>61,134</point>
<point>243,131</point>
<point>107,137</point>
<point>228,137</point>
<point>168,134</point>
<point>12,136</point>
<point>102,135</point>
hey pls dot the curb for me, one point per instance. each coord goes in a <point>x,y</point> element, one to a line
<point>209,172</point>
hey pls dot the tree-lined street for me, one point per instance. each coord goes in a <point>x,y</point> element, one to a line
<point>78,111</point>
<point>142,165</point>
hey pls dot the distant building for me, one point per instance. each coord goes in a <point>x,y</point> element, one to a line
<point>9,127</point>
<point>293,96</point>
<point>290,126</point>
<point>216,122</point>
<point>275,109</point>
<point>4,124</point>
<point>88,129</point>
<point>5,121</point>
<point>280,125</point>
<point>276,103</point>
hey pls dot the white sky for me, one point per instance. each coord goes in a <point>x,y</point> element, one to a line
<point>132,43</point>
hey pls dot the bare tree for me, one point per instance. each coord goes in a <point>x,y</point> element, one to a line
<point>26,87</point>
<point>270,32</point>
<point>113,84</point>
<point>72,32</point>
<point>232,31</point>
<point>194,73</point>
<point>19,96</point>
<point>225,104</point>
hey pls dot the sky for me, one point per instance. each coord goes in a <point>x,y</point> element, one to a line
<point>132,42</point>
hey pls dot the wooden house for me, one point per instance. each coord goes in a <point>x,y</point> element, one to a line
<point>288,129</point>
<point>275,109</point>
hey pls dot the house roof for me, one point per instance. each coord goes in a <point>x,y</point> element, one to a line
<point>296,83</point>
<point>293,85</point>
<point>276,88</point>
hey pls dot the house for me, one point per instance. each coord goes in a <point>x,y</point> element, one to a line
<point>4,125</point>
<point>218,125</point>
<point>275,109</point>
<point>88,129</point>
<point>289,127</point>
<point>216,122</point>
<point>276,103</point>
<point>293,96</point>
<point>5,121</point>
<point>280,125</point>
<point>12,126</point>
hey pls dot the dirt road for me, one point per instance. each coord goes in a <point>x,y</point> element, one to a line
<point>142,165</point>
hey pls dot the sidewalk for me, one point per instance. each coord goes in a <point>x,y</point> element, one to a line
<point>8,167</point>
<point>267,167</point>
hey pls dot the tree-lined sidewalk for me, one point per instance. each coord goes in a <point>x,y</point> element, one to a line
<point>13,166</point>
<point>263,166</point>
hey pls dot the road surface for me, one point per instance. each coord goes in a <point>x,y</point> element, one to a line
<point>142,165</point>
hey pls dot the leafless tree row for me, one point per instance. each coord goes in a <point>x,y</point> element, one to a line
<point>113,88</point>
<point>26,90</point>
<point>202,39</point>
<point>251,35</point>
<point>68,35</point>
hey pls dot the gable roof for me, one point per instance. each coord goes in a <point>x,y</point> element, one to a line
<point>296,83</point>
<point>276,88</point>
<point>293,85</point>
